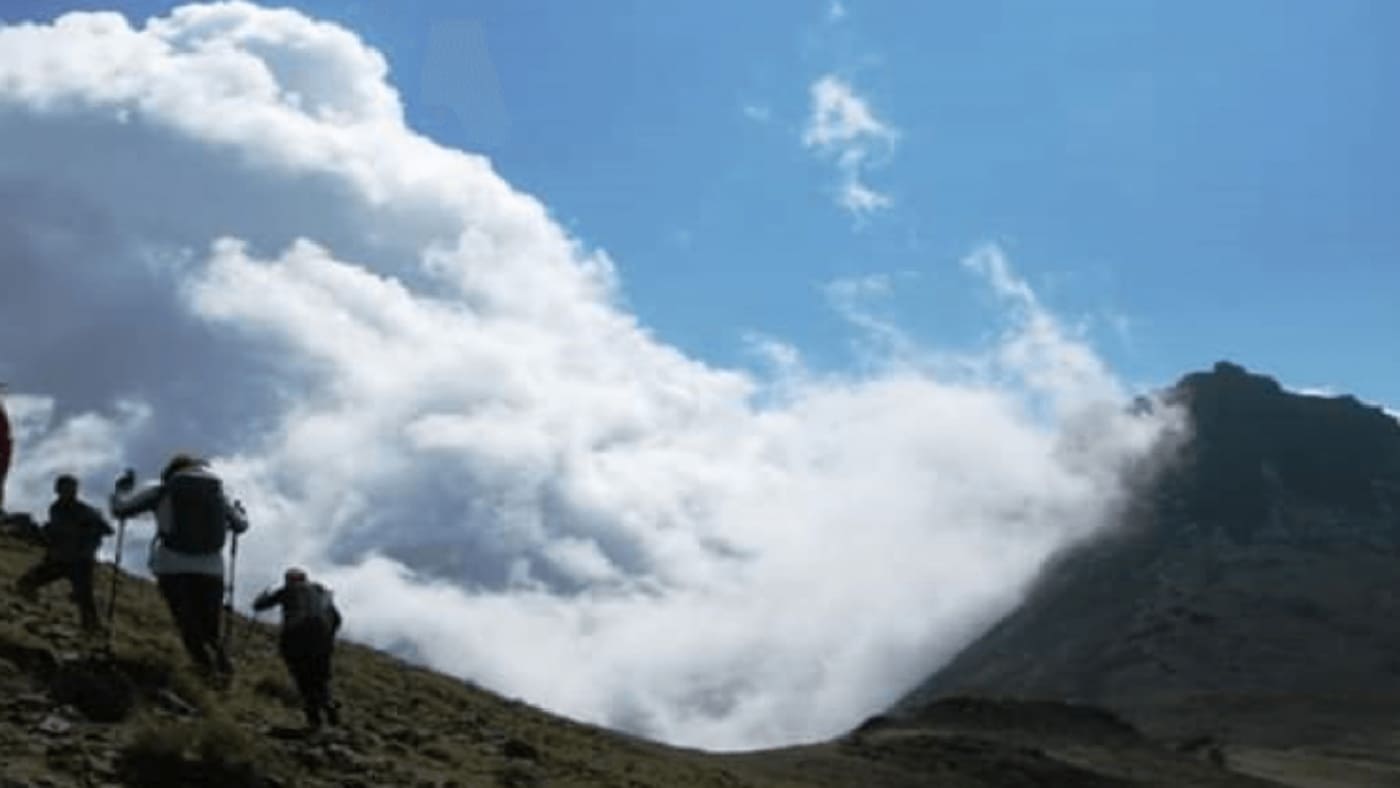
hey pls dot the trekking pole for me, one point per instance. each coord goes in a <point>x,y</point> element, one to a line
<point>228,592</point>
<point>128,478</point>
<point>116,578</point>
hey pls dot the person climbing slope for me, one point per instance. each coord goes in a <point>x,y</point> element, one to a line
<point>74,532</point>
<point>310,621</point>
<point>193,518</point>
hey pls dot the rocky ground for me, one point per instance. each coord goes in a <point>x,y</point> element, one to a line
<point>71,716</point>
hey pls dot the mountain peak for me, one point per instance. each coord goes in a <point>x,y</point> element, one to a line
<point>1246,596</point>
<point>1256,443</point>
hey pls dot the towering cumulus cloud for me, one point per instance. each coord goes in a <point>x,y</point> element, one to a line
<point>218,233</point>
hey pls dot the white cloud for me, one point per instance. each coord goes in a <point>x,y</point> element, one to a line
<point>843,129</point>
<point>425,390</point>
<point>836,11</point>
<point>860,199</point>
<point>840,118</point>
<point>1038,350</point>
<point>81,444</point>
<point>1314,391</point>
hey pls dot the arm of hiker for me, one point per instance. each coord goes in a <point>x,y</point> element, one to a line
<point>131,502</point>
<point>237,518</point>
<point>127,501</point>
<point>268,598</point>
<point>98,523</point>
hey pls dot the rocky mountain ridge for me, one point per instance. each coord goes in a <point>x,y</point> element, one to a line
<point>1249,598</point>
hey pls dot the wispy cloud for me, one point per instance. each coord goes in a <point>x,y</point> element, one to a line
<point>860,301</point>
<point>758,113</point>
<point>1120,324</point>
<point>843,129</point>
<point>836,11</point>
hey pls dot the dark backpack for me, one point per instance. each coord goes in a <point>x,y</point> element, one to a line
<point>199,522</point>
<point>305,603</point>
<point>321,606</point>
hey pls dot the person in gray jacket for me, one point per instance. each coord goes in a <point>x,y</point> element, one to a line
<point>193,518</point>
<point>310,621</point>
<point>73,534</point>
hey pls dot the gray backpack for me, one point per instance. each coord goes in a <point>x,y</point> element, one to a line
<point>199,522</point>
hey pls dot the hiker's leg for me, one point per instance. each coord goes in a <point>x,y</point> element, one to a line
<point>318,673</point>
<point>177,592</point>
<point>80,577</point>
<point>209,606</point>
<point>297,652</point>
<point>323,682</point>
<point>327,652</point>
<point>42,573</point>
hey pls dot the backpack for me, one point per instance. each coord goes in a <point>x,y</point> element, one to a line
<point>199,523</point>
<point>321,604</point>
<point>311,602</point>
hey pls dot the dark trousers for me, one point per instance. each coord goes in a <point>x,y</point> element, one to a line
<point>79,574</point>
<point>196,604</point>
<point>307,650</point>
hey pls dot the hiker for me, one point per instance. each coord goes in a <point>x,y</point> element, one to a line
<point>310,621</point>
<point>74,532</point>
<point>193,517</point>
<point>7,447</point>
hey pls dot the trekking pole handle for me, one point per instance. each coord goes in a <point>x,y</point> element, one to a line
<point>232,568</point>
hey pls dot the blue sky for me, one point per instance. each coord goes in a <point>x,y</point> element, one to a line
<point>1198,181</point>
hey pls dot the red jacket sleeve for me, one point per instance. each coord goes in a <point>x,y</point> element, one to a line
<point>6,444</point>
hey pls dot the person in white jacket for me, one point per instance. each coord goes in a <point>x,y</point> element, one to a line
<point>193,518</point>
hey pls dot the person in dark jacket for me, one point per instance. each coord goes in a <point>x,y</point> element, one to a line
<point>310,621</point>
<point>193,517</point>
<point>74,532</point>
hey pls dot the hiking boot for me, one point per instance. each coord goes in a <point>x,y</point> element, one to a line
<point>333,713</point>
<point>27,592</point>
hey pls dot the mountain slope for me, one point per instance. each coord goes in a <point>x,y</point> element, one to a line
<point>1250,597</point>
<point>71,717</point>
<point>404,725</point>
